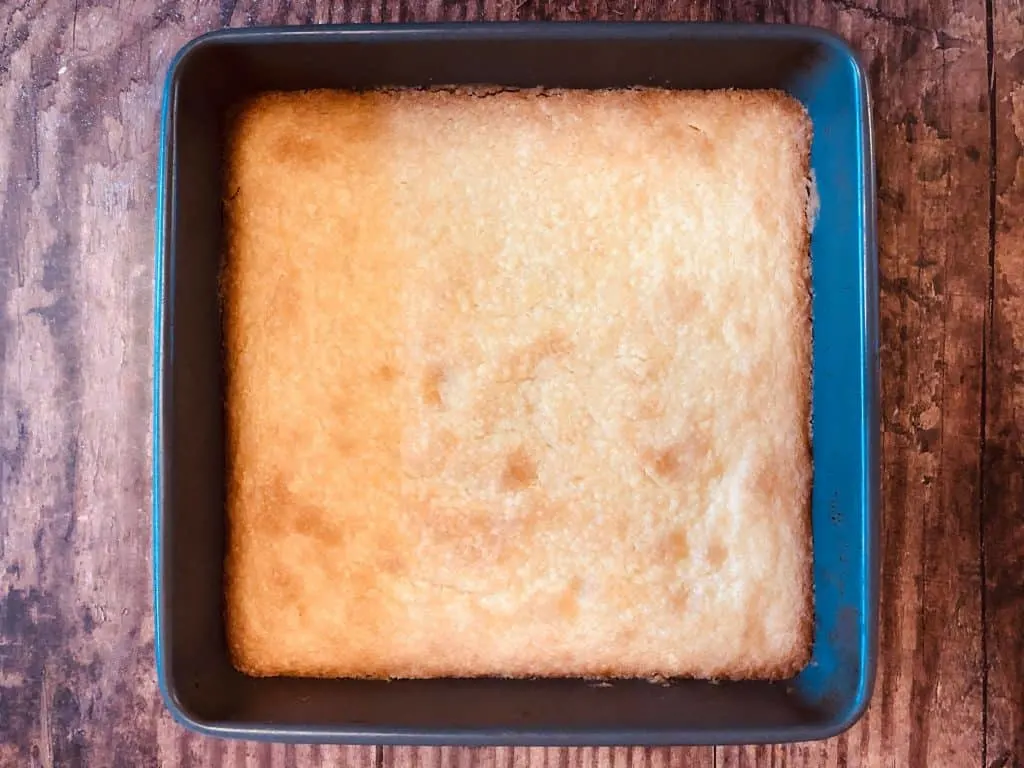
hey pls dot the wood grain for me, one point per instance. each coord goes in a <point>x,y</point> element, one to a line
<point>1003,490</point>
<point>76,160</point>
<point>79,91</point>
<point>927,66</point>
<point>535,757</point>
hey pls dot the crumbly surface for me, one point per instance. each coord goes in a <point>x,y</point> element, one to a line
<point>518,384</point>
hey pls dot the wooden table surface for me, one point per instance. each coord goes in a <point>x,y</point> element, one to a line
<point>79,95</point>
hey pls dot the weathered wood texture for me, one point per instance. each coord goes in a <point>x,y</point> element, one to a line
<point>79,92</point>
<point>535,757</point>
<point>1003,491</point>
<point>927,67</point>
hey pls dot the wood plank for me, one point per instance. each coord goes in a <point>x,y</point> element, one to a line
<point>76,636</point>
<point>928,79</point>
<point>537,757</point>
<point>1003,492</point>
<point>506,757</point>
<point>79,101</point>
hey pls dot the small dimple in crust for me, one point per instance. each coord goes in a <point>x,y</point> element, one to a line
<point>520,470</point>
<point>433,379</point>
<point>716,553</point>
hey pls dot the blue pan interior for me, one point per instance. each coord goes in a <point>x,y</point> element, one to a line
<point>199,684</point>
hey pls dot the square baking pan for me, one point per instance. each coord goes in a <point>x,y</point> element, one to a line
<point>198,682</point>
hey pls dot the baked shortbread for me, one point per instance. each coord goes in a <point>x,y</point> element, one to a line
<point>519,384</point>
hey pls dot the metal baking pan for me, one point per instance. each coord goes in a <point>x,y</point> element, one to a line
<point>199,684</point>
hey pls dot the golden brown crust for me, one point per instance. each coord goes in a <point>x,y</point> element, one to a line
<point>519,385</point>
